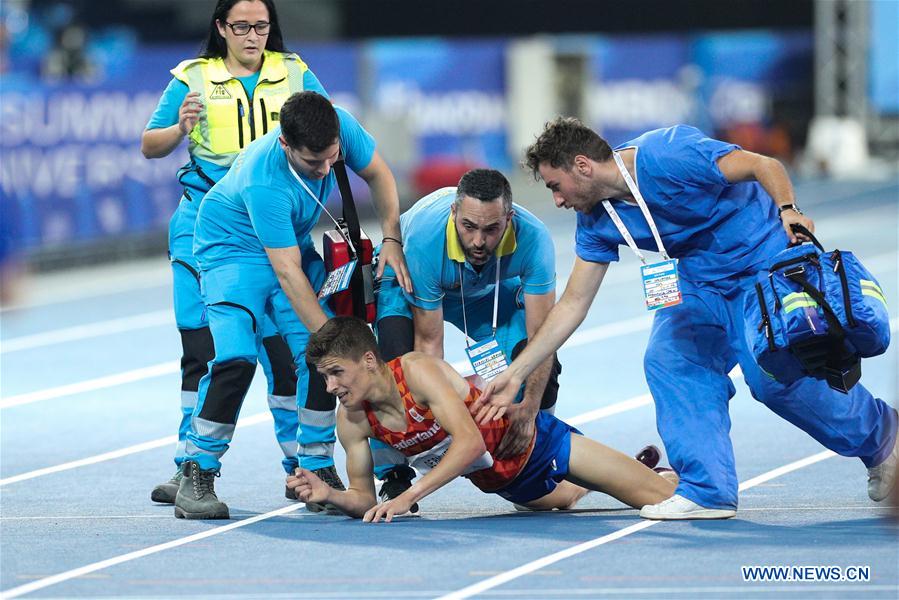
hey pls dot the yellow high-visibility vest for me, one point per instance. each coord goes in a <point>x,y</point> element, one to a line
<point>229,121</point>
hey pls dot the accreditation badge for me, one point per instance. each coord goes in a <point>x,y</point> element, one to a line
<point>338,280</point>
<point>487,359</point>
<point>661,288</point>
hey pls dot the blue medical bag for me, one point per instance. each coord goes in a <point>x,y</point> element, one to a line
<point>816,313</point>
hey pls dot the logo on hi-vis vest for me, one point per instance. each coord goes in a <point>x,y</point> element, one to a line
<point>275,116</point>
<point>219,93</point>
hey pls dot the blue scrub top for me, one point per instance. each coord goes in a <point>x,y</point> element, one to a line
<point>259,203</point>
<point>433,254</point>
<point>715,228</point>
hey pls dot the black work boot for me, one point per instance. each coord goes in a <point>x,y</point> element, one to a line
<point>396,481</point>
<point>165,493</point>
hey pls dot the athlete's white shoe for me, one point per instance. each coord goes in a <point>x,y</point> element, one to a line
<point>679,508</point>
<point>882,478</point>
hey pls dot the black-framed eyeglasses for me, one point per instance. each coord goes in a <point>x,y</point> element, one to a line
<point>261,28</point>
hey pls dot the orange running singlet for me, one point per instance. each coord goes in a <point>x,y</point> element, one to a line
<point>425,442</point>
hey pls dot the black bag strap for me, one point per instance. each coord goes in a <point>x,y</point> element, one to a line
<point>350,216</point>
<point>351,219</point>
<point>818,297</point>
<point>766,318</point>
<point>840,268</point>
<point>193,167</point>
<point>797,228</point>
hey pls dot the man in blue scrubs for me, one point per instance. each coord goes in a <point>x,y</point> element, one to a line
<point>455,241</point>
<point>723,213</point>
<point>253,245</point>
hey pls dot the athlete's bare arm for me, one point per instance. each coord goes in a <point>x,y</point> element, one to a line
<point>353,431</point>
<point>436,385</point>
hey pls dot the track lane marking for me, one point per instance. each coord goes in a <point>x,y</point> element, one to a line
<point>594,334</point>
<point>551,559</point>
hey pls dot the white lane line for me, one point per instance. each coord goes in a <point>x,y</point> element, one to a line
<point>103,564</point>
<point>463,593</point>
<point>88,330</point>
<point>629,404</point>
<point>264,417</point>
<point>461,366</point>
<point>538,564</point>
<point>589,336</point>
<point>878,264</point>
<point>91,385</point>
<point>885,508</point>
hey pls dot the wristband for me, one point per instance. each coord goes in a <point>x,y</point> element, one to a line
<point>391,239</point>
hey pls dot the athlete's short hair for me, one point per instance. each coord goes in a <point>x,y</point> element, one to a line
<point>486,185</point>
<point>308,120</point>
<point>342,337</point>
<point>562,139</point>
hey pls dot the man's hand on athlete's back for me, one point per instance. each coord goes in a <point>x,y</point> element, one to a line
<point>522,423</point>
<point>496,398</point>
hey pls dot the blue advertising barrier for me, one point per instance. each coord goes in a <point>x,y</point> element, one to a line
<point>72,170</point>
<point>453,94</point>
<point>713,81</point>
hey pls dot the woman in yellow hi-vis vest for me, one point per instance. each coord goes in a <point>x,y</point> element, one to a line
<point>221,101</point>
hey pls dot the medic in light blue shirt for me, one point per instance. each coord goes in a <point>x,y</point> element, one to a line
<point>253,245</point>
<point>715,208</point>
<point>226,97</point>
<point>472,252</point>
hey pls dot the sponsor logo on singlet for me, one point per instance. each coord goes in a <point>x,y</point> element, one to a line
<point>419,437</point>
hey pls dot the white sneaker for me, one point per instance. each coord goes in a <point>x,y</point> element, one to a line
<point>679,508</point>
<point>882,478</point>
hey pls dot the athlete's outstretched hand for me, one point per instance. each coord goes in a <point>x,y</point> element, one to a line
<point>387,510</point>
<point>522,421</point>
<point>496,398</point>
<point>307,486</point>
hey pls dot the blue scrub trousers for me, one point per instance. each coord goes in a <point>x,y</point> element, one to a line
<point>239,298</point>
<point>198,350</point>
<point>692,348</point>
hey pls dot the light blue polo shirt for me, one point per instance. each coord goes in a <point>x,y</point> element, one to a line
<point>259,203</point>
<point>434,255</point>
<point>717,229</point>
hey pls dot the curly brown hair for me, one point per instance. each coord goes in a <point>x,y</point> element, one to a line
<point>562,139</point>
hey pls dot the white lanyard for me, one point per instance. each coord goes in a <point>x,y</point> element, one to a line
<point>468,340</point>
<point>632,186</point>
<point>319,202</point>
